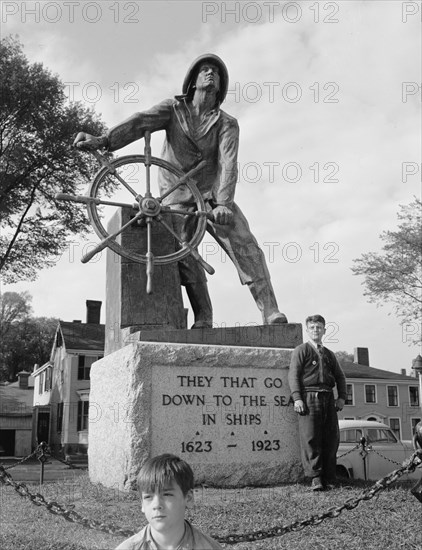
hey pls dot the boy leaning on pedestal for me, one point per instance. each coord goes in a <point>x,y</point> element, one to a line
<point>314,373</point>
<point>166,485</point>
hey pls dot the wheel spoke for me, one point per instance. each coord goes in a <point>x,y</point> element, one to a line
<point>196,213</point>
<point>147,153</point>
<point>183,179</point>
<point>88,200</point>
<point>114,172</point>
<point>176,211</point>
<point>208,268</point>
<point>107,240</point>
<point>137,196</point>
<point>150,257</point>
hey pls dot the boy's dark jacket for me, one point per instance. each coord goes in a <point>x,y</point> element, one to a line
<point>306,374</point>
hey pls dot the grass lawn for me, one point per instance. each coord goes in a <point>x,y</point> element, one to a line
<point>392,520</point>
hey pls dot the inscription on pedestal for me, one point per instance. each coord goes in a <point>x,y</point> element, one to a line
<point>232,415</point>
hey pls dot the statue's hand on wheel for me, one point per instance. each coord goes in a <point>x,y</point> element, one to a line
<point>87,142</point>
<point>222,215</point>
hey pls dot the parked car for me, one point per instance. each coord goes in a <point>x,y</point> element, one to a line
<point>385,452</point>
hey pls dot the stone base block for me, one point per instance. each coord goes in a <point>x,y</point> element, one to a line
<point>127,302</point>
<point>287,335</point>
<point>225,410</point>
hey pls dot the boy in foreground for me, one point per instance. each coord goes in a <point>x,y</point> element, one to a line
<point>166,484</point>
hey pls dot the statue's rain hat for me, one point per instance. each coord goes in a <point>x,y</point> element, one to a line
<point>190,77</point>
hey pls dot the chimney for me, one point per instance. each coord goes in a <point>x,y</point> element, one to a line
<point>403,371</point>
<point>93,311</point>
<point>361,356</point>
<point>23,379</point>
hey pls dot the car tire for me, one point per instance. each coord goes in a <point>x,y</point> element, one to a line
<point>342,472</point>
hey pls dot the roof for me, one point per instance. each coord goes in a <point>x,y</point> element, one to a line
<point>42,368</point>
<point>344,424</point>
<point>16,401</point>
<point>355,370</point>
<point>83,336</point>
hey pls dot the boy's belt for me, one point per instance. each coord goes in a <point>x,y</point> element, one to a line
<point>319,389</point>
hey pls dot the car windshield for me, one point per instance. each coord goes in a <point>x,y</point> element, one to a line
<point>380,435</point>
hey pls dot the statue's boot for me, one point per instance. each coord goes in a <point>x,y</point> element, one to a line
<point>201,304</point>
<point>264,297</point>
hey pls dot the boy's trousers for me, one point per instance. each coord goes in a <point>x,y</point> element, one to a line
<point>319,435</point>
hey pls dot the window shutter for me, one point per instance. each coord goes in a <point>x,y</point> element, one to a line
<point>80,412</point>
<point>81,367</point>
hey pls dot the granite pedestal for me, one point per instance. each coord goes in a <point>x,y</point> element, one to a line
<point>225,409</point>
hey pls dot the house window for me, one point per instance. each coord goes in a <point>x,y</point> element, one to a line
<point>84,365</point>
<point>395,426</point>
<point>392,396</point>
<point>83,408</point>
<point>84,368</point>
<point>59,417</point>
<point>370,393</point>
<point>47,381</point>
<point>349,396</point>
<point>59,339</point>
<point>41,386</point>
<point>414,396</point>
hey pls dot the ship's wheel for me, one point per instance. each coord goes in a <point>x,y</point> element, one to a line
<point>147,209</point>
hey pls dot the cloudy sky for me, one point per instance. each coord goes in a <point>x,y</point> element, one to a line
<point>327,98</point>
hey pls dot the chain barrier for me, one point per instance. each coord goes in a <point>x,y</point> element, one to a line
<point>384,457</point>
<point>409,466</point>
<point>22,460</point>
<point>64,461</point>
<point>350,451</point>
<point>60,510</point>
<point>366,449</point>
<point>39,452</point>
<point>55,508</point>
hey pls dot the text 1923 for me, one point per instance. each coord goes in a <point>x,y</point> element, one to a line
<point>266,445</point>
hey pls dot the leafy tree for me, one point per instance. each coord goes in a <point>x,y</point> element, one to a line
<point>14,307</point>
<point>37,126</point>
<point>24,340</point>
<point>28,342</point>
<point>395,275</point>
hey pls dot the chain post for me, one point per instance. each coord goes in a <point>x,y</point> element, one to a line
<point>364,454</point>
<point>42,458</point>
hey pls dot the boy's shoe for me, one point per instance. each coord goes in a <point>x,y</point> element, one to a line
<point>317,484</point>
<point>331,484</point>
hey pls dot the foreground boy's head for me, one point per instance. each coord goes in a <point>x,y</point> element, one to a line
<point>166,485</point>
